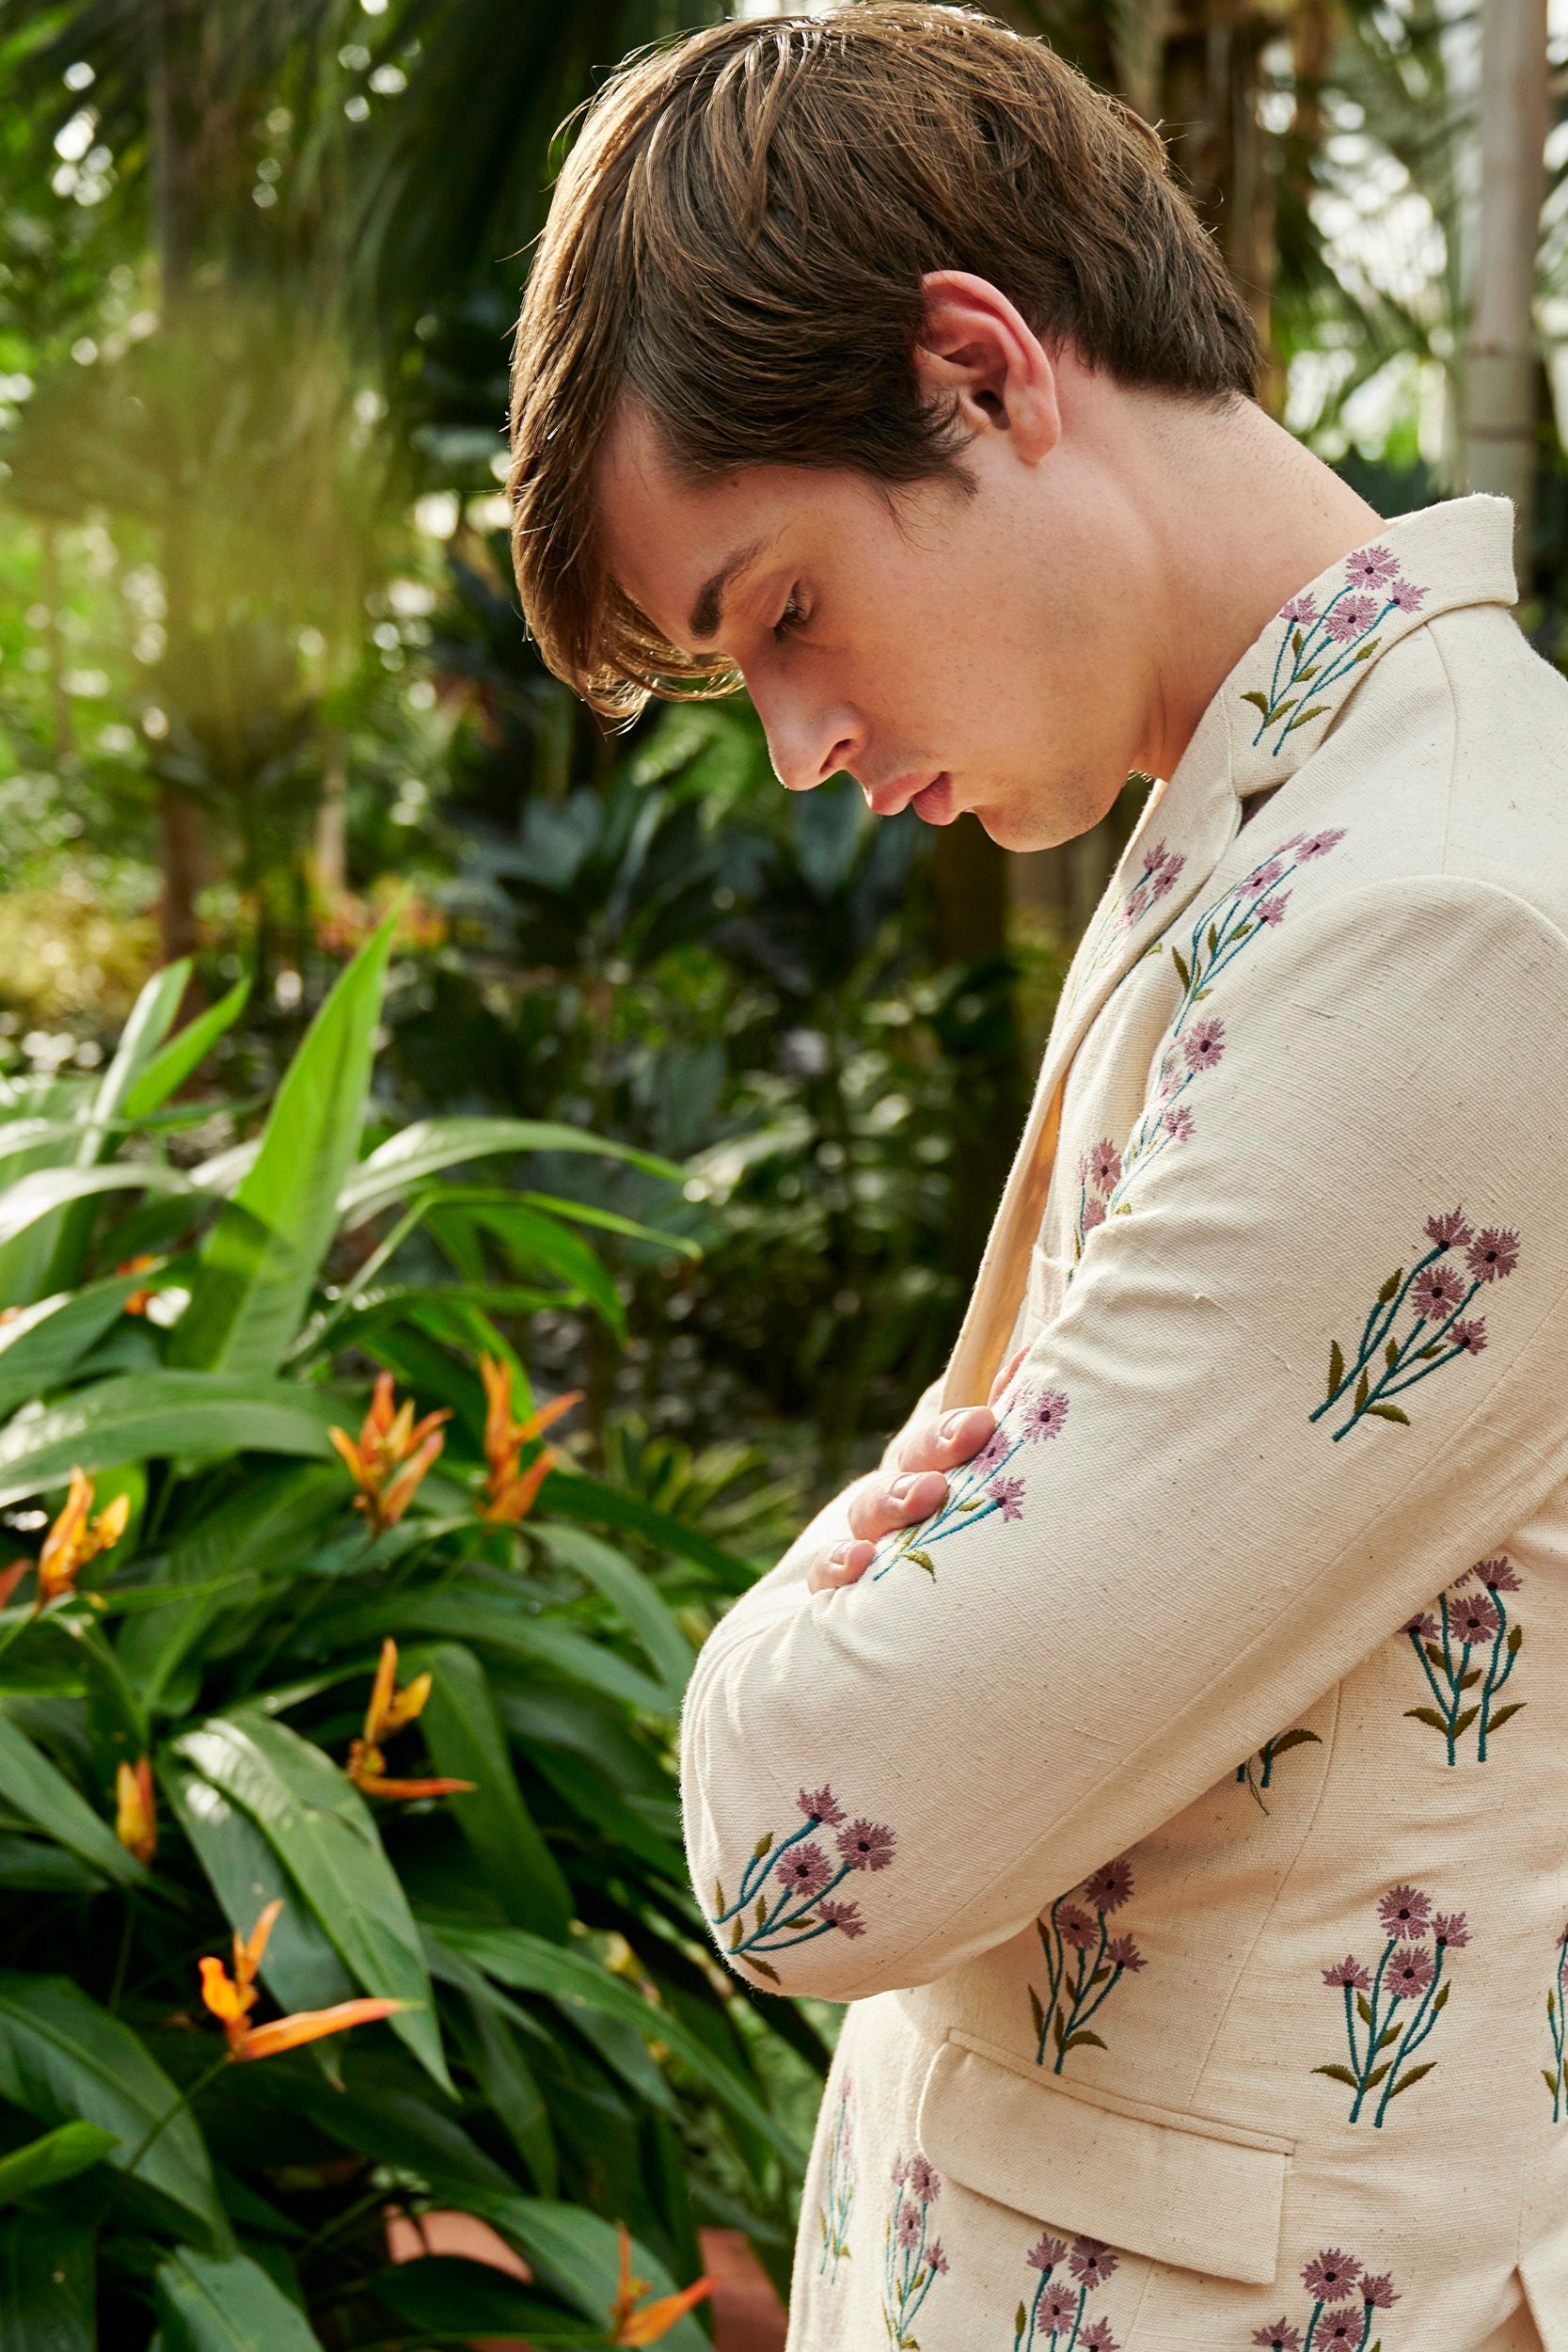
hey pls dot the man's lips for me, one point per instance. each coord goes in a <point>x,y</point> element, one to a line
<point>928,795</point>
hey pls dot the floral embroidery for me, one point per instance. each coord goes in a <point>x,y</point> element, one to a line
<point>838,2188</point>
<point>1399,2005</point>
<point>988,1484</point>
<point>1264,1759</point>
<point>1098,1173</point>
<point>910,2263</point>
<point>1345,2297</point>
<point>1159,869</point>
<point>1468,1620</point>
<point>1077,1987</point>
<point>1055,2318</point>
<point>1556,2081</point>
<point>1323,647</point>
<point>1256,904</point>
<point>1439,1295</point>
<point>803,1876</point>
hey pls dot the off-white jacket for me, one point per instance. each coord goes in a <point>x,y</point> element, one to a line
<point>1184,1810</point>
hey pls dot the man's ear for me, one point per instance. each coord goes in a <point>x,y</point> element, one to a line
<point>976,346</point>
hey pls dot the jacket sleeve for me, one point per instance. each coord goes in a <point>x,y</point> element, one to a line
<point>1311,1366</point>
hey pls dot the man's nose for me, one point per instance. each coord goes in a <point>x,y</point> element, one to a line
<point>807,748</point>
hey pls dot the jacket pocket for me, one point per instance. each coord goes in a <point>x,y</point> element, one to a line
<point>1185,2189</point>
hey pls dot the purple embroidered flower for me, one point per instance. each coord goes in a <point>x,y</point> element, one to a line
<point>1470,1334</point>
<point>1404,1910</point>
<point>1281,2337</point>
<point>1007,1494</point>
<point>1348,1971</point>
<point>1350,616</point>
<point>804,1869</point>
<point>924,2184</point>
<point>1473,1618</point>
<point>908,2225</point>
<point>866,1846</point>
<point>1368,567</point>
<point>1104,1164</point>
<point>1302,611</point>
<point>1450,1231</point>
<point>1166,879</point>
<point>1341,2330</point>
<point>1261,879</point>
<point>1450,1931</point>
<point>1331,2273</point>
<point>1045,1413</point>
<point>1437,1291</point>
<point>1092,2262</point>
<point>1424,1627</point>
<point>1059,2307</point>
<point>1498,1576</point>
<point>842,1916</point>
<point>1097,2337</point>
<point>820,1804</point>
<point>1047,2254</point>
<point>1171,1075</point>
<point>936,2260</point>
<point>1494,1253</point>
<point>1137,907</point>
<point>1273,909</point>
<point>1123,1953</point>
<point>1111,1885</point>
<point>1077,1926</point>
<point>1319,844</point>
<point>1377,2294</point>
<point>900,2170</point>
<point>1094,1214</point>
<point>993,1453</point>
<point>1407,595</point>
<point>1178,1123</point>
<point>1204,1044</point>
<point>1410,1971</point>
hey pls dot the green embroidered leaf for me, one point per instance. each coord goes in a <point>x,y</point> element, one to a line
<point>1432,1350</point>
<point>1099,1976</point>
<point>1390,2034</point>
<point>1466,1680</point>
<point>795,1925</point>
<point>1442,2000</point>
<point>1297,641</point>
<point>1414,2076</point>
<point>720,1905</point>
<point>1280,709</point>
<point>1361,1393</point>
<point>1037,2012</point>
<point>1429,1715</point>
<point>1302,716</point>
<point>762,1845</point>
<point>973,1506</point>
<point>1246,933</point>
<point>1299,1737</point>
<point>1303,676</point>
<point>1123,1208</point>
<point>1391,1354</point>
<point>761,1912</point>
<point>1201,994</point>
<point>1365,653</point>
<point>1514,1707</point>
<point>1550,2081</point>
<point>1376,2076</point>
<point>1186,977</point>
<point>1020,2318</point>
<point>1389,1412</point>
<point>1339,2074</point>
<point>735,1935</point>
<point>1516,1640</point>
<point>1058,2030</point>
<point>1252,695</point>
<point>1463,1722</point>
<point>1551,2004</point>
<point>1363,2008</point>
<point>762,1968</point>
<point>923,1560</point>
<point>822,2219</point>
<point>1081,2038</point>
<point>1213,940</point>
<point>1434,1655</point>
<point>1387,1292</point>
<point>1336,1367</point>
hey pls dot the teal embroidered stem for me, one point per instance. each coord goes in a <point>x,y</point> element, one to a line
<point>1495,1680</point>
<point>1415,2034</point>
<point>1312,2328</point>
<point>1374,2031</point>
<point>759,1865</point>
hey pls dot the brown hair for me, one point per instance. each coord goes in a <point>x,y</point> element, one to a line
<point>736,241</point>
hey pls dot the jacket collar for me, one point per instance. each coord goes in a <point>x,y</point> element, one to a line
<point>1285,696</point>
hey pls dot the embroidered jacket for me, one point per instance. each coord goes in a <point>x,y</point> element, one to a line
<point>1181,1810</point>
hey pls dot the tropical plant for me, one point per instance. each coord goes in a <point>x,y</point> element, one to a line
<point>340,1861</point>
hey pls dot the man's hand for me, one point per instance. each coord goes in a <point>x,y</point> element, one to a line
<point>914,1488</point>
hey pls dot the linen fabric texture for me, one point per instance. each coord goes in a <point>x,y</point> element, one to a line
<point>1180,1811</point>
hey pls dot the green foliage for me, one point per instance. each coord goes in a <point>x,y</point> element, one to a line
<point>567,2055</point>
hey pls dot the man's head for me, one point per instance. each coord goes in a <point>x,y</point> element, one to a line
<point>873,300</point>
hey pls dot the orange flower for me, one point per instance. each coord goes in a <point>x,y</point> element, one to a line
<point>392,1456</point>
<point>654,2320</point>
<point>510,1491</point>
<point>137,1303</point>
<point>135,1809</point>
<point>70,1543</point>
<point>231,1998</point>
<point>390,1709</point>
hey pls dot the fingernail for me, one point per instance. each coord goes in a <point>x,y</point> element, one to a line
<point>840,1555</point>
<point>901,1487</point>
<point>953,1423</point>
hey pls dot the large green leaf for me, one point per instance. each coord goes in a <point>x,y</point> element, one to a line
<point>567,1494</point>
<point>301,1969</point>
<point>575,1980</point>
<point>228,2304</point>
<point>511,1632</point>
<point>32,1198</point>
<point>142,1415</point>
<point>43,1343</point>
<point>636,1600</point>
<point>467,1742</point>
<point>430,1145</point>
<point>40,1793</point>
<point>577,2256</point>
<point>323,1831</point>
<point>444,2296</point>
<point>59,2155</point>
<point>64,2057</point>
<point>262,1257</point>
<point>161,1075</point>
<point>47,2284</point>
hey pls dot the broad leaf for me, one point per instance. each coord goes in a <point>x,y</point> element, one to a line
<point>59,2155</point>
<point>467,1742</point>
<point>144,1415</point>
<point>228,2304</point>
<point>634,1597</point>
<point>445,2294</point>
<point>40,1346</point>
<point>47,2284</point>
<point>301,1969</point>
<point>162,1074</point>
<point>37,1789</point>
<point>430,1145</point>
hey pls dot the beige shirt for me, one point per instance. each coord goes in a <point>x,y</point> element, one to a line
<point>1181,1810</point>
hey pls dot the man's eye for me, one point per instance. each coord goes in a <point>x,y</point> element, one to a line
<point>792,618</point>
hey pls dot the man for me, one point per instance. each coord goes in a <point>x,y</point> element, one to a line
<point>1173,1786</point>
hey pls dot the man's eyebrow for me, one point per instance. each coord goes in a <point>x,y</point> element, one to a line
<point>709,611</point>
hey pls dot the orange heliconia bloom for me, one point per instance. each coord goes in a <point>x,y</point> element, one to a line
<point>231,1998</point>
<point>510,1491</point>
<point>71,1542</point>
<point>654,2320</point>
<point>137,1303</point>
<point>392,1456</point>
<point>135,1809</point>
<point>390,1709</point>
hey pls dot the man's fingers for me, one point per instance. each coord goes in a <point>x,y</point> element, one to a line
<point>944,1443</point>
<point>842,1565</point>
<point>885,1503</point>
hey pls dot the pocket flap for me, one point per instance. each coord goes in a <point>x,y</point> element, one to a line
<point>1178,2188</point>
